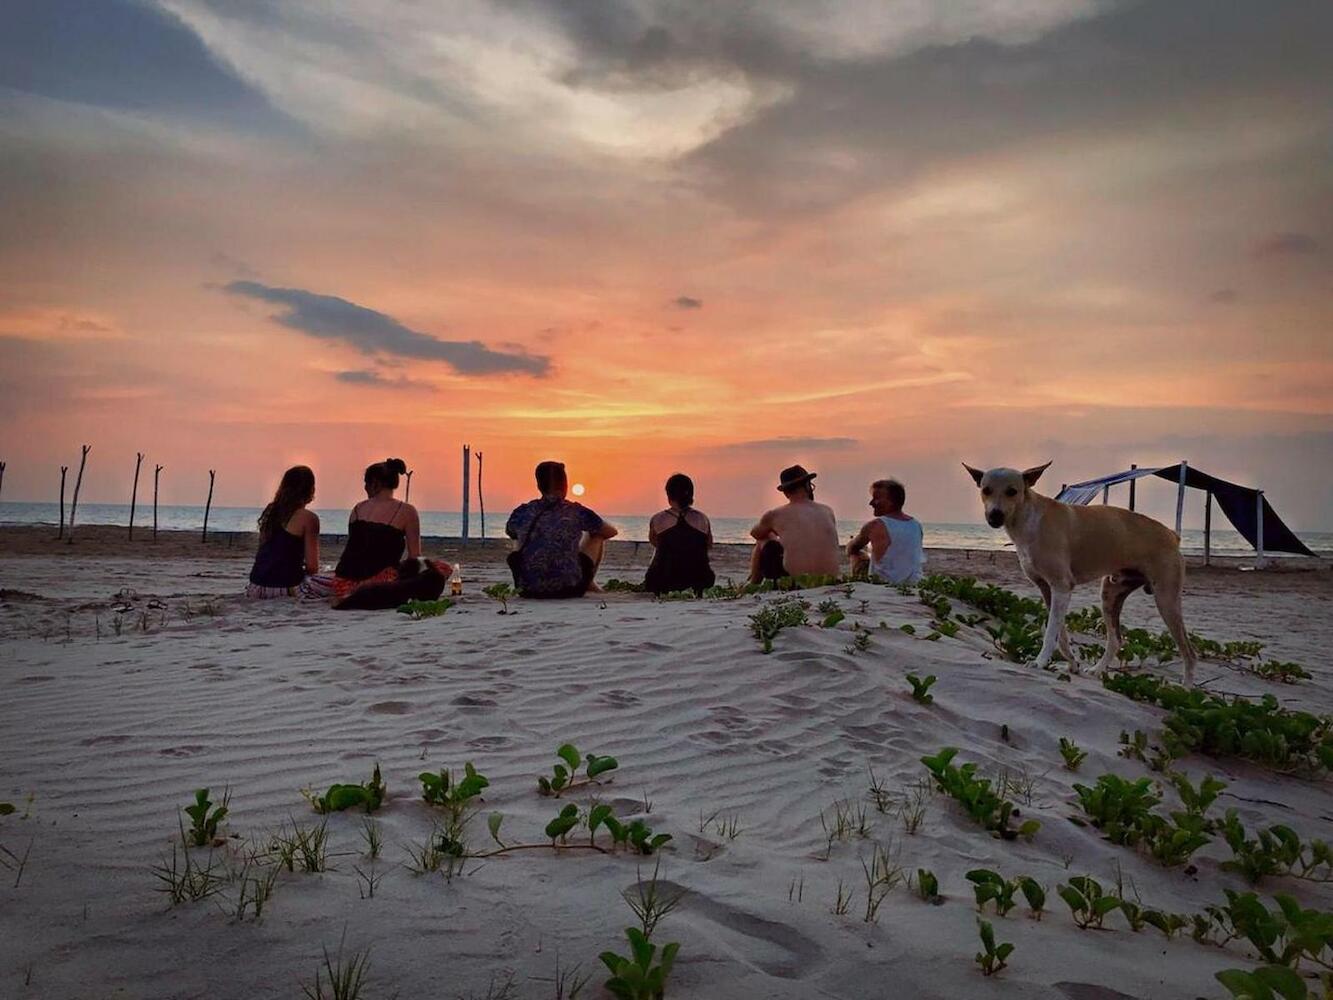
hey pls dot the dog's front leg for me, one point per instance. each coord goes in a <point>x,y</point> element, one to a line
<point>1056,609</point>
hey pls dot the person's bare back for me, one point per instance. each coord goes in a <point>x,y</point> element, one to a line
<point>808,531</point>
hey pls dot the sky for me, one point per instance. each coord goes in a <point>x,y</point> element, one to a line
<point>875,238</point>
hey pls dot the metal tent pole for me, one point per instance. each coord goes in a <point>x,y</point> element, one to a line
<point>1208,530</point>
<point>1106,495</point>
<point>1259,535</point>
<point>1132,484</point>
<point>1180,495</point>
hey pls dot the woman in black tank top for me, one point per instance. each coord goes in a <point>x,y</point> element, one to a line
<point>680,556</point>
<point>380,531</point>
<point>288,538</point>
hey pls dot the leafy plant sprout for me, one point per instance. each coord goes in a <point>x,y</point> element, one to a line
<point>994,956</point>
<point>564,777</point>
<point>921,688</point>
<point>369,796</point>
<point>502,592</point>
<point>773,617</point>
<point>205,817</point>
<point>637,977</point>
<point>1072,754</point>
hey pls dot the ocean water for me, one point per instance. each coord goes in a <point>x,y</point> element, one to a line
<point>633,527</point>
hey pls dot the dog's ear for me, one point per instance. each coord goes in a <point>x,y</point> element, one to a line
<point>1030,476</point>
<point>977,474</point>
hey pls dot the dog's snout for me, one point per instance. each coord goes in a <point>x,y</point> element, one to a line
<point>995,518</point>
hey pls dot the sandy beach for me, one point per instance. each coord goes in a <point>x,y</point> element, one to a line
<point>111,719</point>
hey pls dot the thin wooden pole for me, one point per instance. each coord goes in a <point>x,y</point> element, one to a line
<point>407,497</point>
<point>134,493</point>
<point>1132,484</point>
<point>208,504</point>
<point>1208,530</point>
<point>2,478</point>
<point>1259,521</point>
<point>1106,495</point>
<point>481,500</point>
<point>63,470</point>
<point>74,504</point>
<point>156,473</point>
<point>467,475</point>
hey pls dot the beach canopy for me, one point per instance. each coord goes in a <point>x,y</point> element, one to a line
<point>1241,504</point>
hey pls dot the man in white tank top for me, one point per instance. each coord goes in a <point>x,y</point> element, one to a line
<point>895,539</point>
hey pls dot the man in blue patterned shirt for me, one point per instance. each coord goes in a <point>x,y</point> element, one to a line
<point>559,542</point>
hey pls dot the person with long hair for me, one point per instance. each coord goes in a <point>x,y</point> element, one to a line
<point>681,536</point>
<point>288,538</point>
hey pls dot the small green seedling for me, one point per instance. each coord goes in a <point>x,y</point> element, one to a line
<point>564,776</point>
<point>502,592</point>
<point>417,610</point>
<point>921,688</point>
<point>453,796</point>
<point>1270,982</point>
<point>928,886</point>
<point>204,818</point>
<point>1034,893</point>
<point>1072,753</point>
<point>636,977</point>
<point>994,957</point>
<point>990,886</point>
<point>558,828</point>
<point>339,797</point>
<point>1087,902</point>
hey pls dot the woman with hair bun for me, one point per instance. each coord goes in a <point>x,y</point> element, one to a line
<point>288,538</point>
<point>380,531</point>
<point>681,537</point>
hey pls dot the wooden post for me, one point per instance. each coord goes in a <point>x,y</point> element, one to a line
<point>208,504</point>
<point>63,469</point>
<point>1106,495</point>
<point>467,476</point>
<point>1208,530</point>
<point>1132,484</point>
<point>1180,496</point>
<point>407,497</point>
<point>156,472</point>
<point>2,478</point>
<point>134,493</point>
<point>74,504</point>
<point>481,500</point>
<point>1259,529</point>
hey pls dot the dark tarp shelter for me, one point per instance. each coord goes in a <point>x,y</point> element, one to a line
<point>1242,505</point>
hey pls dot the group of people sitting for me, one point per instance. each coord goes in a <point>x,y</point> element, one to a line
<point>559,543</point>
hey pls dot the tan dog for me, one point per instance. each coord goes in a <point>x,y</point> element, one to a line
<point>1062,545</point>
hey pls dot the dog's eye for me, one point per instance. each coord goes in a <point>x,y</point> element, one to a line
<point>1011,492</point>
<point>986,492</point>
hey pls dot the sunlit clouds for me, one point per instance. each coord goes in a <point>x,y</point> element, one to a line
<point>646,237</point>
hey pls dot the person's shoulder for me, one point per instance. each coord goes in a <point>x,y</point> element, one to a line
<point>699,519</point>
<point>308,517</point>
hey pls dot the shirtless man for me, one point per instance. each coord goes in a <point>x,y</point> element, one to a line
<point>797,539</point>
<point>894,538</point>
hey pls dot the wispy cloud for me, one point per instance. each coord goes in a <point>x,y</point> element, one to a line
<point>369,377</point>
<point>328,317</point>
<point>788,443</point>
<point>1287,245</point>
<point>688,302</point>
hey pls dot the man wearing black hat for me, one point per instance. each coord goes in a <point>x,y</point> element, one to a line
<point>798,538</point>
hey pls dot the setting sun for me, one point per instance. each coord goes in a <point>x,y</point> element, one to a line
<point>577,489</point>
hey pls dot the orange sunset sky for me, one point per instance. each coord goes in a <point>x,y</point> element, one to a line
<point>873,238</point>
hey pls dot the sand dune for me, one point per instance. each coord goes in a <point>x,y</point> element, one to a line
<point>110,734</point>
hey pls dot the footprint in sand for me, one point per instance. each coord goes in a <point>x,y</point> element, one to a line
<point>618,698</point>
<point>391,708</point>
<point>489,742</point>
<point>473,701</point>
<point>183,751</point>
<point>97,741</point>
<point>774,948</point>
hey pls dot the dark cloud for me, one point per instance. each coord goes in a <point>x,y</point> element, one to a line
<point>1287,245</point>
<point>328,317</point>
<point>686,302</point>
<point>122,54</point>
<point>1224,295</point>
<point>376,379</point>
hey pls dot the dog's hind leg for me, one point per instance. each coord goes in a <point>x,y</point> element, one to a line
<point>1168,590</point>
<point>1114,592</point>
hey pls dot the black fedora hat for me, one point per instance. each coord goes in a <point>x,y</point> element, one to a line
<point>794,476</point>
